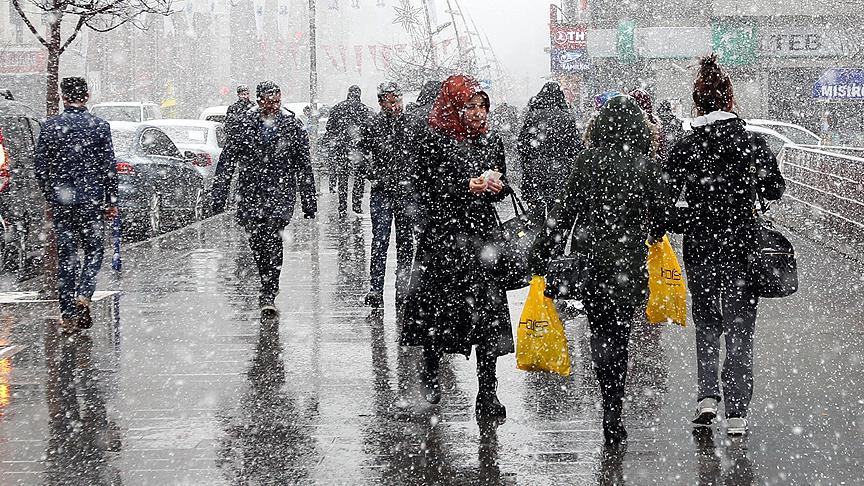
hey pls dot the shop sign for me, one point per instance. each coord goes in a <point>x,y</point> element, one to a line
<point>569,37</point>
<point>840,84</point>
<point>811,41</point>
<point>22,60</point>
<point>570,61</point>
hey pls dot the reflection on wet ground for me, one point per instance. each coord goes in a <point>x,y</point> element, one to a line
<point>181,382</point>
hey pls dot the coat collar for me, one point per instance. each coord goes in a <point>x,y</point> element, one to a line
<point>710,118</point>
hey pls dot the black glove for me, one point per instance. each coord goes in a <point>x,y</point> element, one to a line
<point>308,215</point>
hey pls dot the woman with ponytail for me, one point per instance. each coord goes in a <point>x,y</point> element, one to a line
<point>720,166</point>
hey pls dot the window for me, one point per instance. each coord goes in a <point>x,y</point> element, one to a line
<point>186,135</point>
<point>155,142</point>
<point>118,113</point>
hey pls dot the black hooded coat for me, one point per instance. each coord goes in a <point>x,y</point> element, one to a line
<point>548,145</point>
<point>344,127</point>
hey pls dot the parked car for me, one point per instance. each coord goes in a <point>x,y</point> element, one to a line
<point>214,113</point>
<point>160,188</point>
<point>796,133</point>
<point>199,140</point>
<point>126,111</point>
<point>21,201</point>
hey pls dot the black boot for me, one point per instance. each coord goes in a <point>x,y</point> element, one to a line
<point>429,376</point>
<point>488,406</point>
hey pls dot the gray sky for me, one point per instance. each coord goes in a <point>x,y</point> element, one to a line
<point>518,31</point>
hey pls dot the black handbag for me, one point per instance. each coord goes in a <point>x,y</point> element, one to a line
<point>513,247</point>
<point>565,277</point>
<point>774,268</point>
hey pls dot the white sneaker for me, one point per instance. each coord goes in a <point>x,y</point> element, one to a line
<point>736,426</point>
<point>706,412</point>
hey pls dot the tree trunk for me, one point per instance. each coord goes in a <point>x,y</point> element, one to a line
<point>52,93</point>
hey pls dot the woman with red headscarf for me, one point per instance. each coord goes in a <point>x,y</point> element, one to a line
<point>456,301</point>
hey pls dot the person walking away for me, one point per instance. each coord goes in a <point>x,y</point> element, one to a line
<point>717,166</point>
<point>343,136</point>
<point>384,144</point>
<point>456,301</point>
<point>548,143</point>
<point>612,203</point>
<point>274,163</point>
<point>232,151</point>
<point>74,167</point>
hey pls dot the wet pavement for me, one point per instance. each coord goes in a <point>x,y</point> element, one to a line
<point>181,382</point>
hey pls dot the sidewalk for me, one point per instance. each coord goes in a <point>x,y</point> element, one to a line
<point>180,382</point>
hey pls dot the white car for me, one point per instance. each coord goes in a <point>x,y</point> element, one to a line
<point>203,139</point>
<point>127,111</point>
<point>214,113</point>
<point>796,133</point>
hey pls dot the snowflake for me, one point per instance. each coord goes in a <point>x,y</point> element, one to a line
<point>408,16</point>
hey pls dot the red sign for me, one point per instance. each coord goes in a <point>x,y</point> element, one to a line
<point>569,36</point>
<point>22,60</point>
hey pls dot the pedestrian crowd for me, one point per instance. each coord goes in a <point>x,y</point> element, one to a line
<point>436,170</point>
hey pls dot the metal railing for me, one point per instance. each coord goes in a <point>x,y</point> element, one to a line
<point>825,193</point>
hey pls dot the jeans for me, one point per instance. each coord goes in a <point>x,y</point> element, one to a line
<point>74,225</point>
<point>724,303</point>
<point>265,241</point>
<point>387,210</point>
<point>610,322</point>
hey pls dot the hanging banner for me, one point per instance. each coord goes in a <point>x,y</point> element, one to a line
<point>258,10</point>
<point>283,18</point>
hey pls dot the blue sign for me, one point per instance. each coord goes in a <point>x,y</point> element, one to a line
<point>840,84</point>
<point>569,61</point>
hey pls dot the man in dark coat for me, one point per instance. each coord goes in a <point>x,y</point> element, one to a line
<point>548,145</point>
<point>343,136</point>
<point>385,146</point>
<point>74,166</point>
<point>232,151</point>
<point>274,162</point>
<point>673,128</point>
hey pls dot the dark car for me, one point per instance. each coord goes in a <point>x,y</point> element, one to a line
<point>160,188</point>
<point>21,202</point>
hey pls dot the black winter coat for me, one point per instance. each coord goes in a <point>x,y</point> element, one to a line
<point>712,165</point>
<point>455,300</point>
<point>272,166</point>
<point>385,144</point>
<point>548,145</point>
<point>342,137</point>
<point>614,200</point>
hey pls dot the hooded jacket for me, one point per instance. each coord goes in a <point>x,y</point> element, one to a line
<point>548,143</point>
<point>612,202</point>
<point>714,166</point>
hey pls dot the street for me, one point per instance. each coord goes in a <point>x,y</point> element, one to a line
<point>181,382</point>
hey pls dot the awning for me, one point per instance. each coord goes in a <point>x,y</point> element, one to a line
<point>840,84</point>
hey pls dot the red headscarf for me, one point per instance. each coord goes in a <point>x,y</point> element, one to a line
<point>446,115</point>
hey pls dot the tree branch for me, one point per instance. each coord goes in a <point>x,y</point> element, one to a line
<point>28,23</point>
<point>73,34</point>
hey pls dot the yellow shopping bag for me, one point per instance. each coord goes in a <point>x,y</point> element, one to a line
<point>667,299</point>
<point>540,341</point>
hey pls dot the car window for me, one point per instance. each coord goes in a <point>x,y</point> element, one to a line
<point>18,139</point>
<point>220,136</point>
<point>155,142</point>
<point>216,118</point>
<point>150,113</point>
<point>186,135</point>
<point>123,140</point>
<point>118,113</point>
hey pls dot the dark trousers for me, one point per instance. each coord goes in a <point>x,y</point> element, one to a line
<point>610,322</point>
<point>487,366</point>
<point>352,165</point>
<point>724,304</point>
<point>265,240</point>
<point>386,211</point>
<point>77,225</point>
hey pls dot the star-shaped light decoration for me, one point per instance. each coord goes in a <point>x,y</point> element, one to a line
<point>408,16</point>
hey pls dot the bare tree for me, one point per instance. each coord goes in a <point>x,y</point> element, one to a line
<point>96,15</point>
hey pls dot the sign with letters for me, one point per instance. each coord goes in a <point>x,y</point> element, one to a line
<point>838,84</point>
